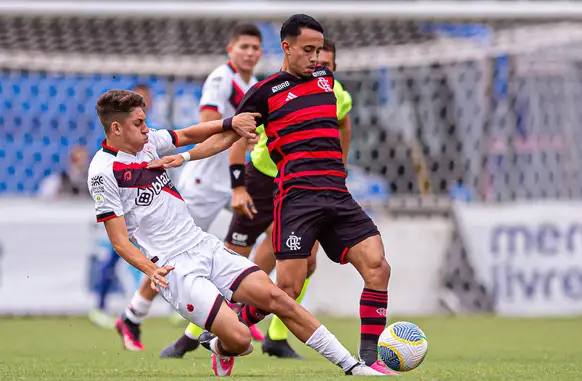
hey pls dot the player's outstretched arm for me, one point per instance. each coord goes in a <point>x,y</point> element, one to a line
<point>243,124</point>
<point>117,232</point>
<point>345,126</point>
<point>211,146</point>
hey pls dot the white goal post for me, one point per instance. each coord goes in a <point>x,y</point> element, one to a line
<point>281,9</point>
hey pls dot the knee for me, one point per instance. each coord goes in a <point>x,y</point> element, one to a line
<point>240,339</point>
<point>378,273</point>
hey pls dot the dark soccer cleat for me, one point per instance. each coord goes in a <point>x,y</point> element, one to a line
<point>279,348</point>
<point>178,349</point>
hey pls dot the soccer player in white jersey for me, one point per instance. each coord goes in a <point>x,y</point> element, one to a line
<point>205,184</point>
<point>193,270</point>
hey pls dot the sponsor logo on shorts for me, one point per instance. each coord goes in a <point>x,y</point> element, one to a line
<point>190,308</point>
<point>240,239</point>
<point>293,242</point>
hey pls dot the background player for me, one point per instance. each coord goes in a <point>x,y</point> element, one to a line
<point>139,202</point>
<point>205,184</point>
<point>249,222</point>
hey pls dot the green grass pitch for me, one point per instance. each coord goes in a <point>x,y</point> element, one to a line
<point>460,349</point>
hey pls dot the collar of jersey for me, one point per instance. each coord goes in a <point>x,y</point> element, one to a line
<point>108,149</point>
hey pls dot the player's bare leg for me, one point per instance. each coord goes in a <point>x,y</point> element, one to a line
<point>369,259</point>
<point>258,290</point>
<point>245,251</point>
<point>275,343</point>
<point>264,255</point>
<point>128,324</point>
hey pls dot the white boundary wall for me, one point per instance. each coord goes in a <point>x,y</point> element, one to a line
<point>47,247</point>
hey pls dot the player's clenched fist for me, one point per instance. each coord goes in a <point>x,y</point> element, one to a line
<point>243,203</point>
<point>158,279</point>
<point>245,124</point>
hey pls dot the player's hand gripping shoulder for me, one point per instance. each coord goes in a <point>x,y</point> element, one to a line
<point>245,124</point>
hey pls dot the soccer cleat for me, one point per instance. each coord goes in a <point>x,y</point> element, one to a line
<point>279,348</point>
<point>361,369</point>
<point>178,349</point>
<point>222,366</point>
<point>256,333</point>
<point>130,334</point>
<point>379,366</point>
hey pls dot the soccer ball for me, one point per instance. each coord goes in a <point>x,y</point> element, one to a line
<point>402,346</point>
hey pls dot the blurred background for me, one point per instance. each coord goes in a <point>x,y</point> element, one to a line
<point>466,142</point>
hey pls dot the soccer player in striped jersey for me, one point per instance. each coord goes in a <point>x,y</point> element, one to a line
<point>312,203</point>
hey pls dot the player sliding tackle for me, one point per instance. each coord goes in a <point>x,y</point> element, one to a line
<point>192,270</point>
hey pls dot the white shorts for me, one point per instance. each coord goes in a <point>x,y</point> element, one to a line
<point>203,277</point>
<point>204,210</point>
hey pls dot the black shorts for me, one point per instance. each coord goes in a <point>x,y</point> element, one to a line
<point>244,231</point>
<point>333,218</point>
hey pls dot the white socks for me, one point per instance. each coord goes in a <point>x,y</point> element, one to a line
<point>138,308</point>
<point>329,347</point>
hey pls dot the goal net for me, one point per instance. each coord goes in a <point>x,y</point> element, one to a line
<point>474,109</point>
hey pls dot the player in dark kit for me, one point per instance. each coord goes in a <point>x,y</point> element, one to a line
<point>312,202</point>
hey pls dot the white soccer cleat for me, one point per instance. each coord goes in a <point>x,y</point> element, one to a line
<point>363,370</point>
<point>222,366</point>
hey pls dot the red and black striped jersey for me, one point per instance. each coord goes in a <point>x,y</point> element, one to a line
<point>300,119</point>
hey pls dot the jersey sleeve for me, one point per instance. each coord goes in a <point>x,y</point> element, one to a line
<point>344,100</point>
<point>254,102</point>
<point>105,192</point>
<point>215,93</point>
<point>163,140</point>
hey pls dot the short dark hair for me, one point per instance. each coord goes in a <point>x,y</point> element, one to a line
<point>115,105</point>
<point>245,30</point>
<point>329,46</point>
<point>292,26</point>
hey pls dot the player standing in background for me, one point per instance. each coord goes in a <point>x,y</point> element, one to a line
<point>248,223</point>
<point>138,203</point>
<point>205,184</point>
<point>99,315</point>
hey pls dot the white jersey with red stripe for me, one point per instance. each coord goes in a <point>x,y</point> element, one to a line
<point>156,215</point>
<point>223,90</point>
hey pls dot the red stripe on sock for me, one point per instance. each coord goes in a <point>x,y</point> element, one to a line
<point>374,299</point>
<point>375,295</point>
<point>370,312</point>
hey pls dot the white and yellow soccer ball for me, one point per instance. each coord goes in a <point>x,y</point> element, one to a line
<point>402,346</point>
